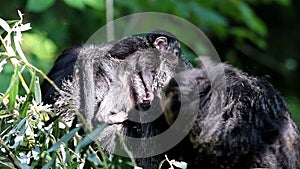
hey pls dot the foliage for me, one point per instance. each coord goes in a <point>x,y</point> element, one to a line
<point>222,18</point>
<point>29,137</point>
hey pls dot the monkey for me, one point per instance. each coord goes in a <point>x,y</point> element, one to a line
<point>125,80</point>
<point>252,128</point>
<point>147,72</point>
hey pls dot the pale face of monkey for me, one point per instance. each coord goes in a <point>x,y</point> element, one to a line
<point>137,83</point>
<point>144,66</point>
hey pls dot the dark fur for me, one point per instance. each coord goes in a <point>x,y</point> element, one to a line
<point>128,45</point>
<point>63,69</point>
<point>253,128</point>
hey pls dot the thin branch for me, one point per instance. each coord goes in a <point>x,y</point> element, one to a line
<point>109,18</point>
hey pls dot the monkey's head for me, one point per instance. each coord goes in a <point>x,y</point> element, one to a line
<point>152,58</point>
<point>157,39</point>
<point>164,41</point>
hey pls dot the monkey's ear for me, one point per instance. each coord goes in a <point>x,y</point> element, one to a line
<point>161,43</point>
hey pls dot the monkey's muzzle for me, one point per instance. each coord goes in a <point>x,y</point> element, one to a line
<point>141,90</point>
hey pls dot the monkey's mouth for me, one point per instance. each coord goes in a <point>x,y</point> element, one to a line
<point>141,90</point>
<point>145,102</point>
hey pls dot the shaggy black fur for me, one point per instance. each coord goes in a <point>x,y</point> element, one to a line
<point>63,69</point>
<point>128,45</point>
<point>252,128</point>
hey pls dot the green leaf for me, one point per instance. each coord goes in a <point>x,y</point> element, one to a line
<point>90,137</point>
<point>96,4</point>
<point>11,22</point>
<point>182,9</point>
<point>13,89</point>
<point>39,5</point>
<point>77,4</point>
<point>49,164</point>
<point>243,33</point>
<point>25,106</point>
<point>32,82</point>
<point>206,15</point>
<point>64,139</point>
<point>284,2</point>
<point>6,162</point>
<point>20,131</point>
<point>24,166</point>
<point>37,91</point>
<point>40,45</point>
<point>94,159</point>
<point>252,21</point>
<point>29,98</point>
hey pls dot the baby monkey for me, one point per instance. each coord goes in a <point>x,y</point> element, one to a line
<point>159,39</point>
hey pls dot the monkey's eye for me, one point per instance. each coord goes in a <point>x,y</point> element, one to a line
<point>176,52</point>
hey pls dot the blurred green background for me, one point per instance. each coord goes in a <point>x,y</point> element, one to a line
<point>260,37</point>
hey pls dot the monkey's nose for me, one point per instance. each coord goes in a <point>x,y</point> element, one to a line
<point>149,97</point>
<point>145,103</point>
